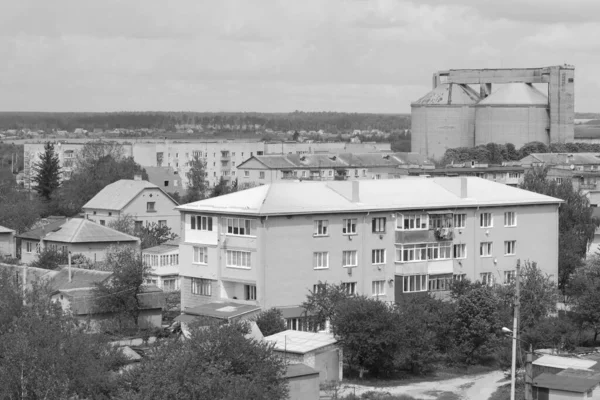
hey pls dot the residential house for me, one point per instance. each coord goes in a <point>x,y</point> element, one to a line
<point>389,239</point>
<point>143,200</point>
<point>166,178</point>
<point>583,169</point>
<point>164,261</point>
<point>219,311</point>
<point>553,364</point>
<point>76,236</point>
<point>566,386</point>
<point>7,242</point>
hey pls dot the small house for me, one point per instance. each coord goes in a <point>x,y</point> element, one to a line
<point>7,242</point>
<point>562,387</point>
<point>222,312</point>
<point>554,364</point>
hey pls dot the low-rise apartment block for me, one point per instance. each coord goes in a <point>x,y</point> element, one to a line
<point>271,244</point>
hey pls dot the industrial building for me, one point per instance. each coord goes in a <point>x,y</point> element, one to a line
<point>513,111</point>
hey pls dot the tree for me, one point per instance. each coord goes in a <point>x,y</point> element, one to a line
<point>216,362</point>
<point>295,136</point>
<point>223,187</point>
<point>197,184</point>
<point>270,321</point>
<point>120,293</point>
<point>320,304</point>
<point>47,172</point>
<point>150,235</point>
<point>49,258</point>
<point>18,210</point>
<point>584,293</point>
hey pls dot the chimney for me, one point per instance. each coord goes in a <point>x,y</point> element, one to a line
<point>355,191</point>
<point>463,188</point>
<point>137,177</point>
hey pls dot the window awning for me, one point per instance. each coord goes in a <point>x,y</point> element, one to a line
<point>440,212</point>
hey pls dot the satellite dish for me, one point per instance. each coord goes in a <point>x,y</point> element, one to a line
<point>572,166</point>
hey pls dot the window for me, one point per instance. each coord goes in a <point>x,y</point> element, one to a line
<point>319,288</point>
<point>486,278</point>
<point>94,212</point>
<point>38,248</point>
<point>509,276</point>
<point>349,287</point>
<point>29,246</point>
<point>509,247</point>
<point>439,282</point>
<point>460,220</point>
<point>412,222</point>
<point>459,277</point>
<point>201,286</point>
<point>138,225</point>
<point>350,258</point>
<point>250,292</point>
<point>378,225</point>
<point>169,285</point>
<point>414,283</point>
<point>513,175</point>
<point>438,221</point>
<point>102,222</point>
<point>110,214</point>
<point>424,251</point>
<point>261,174</point>
<point>201,223</point>
<point>166,183</point>
<point>510,218</point>
<point>364,172</point>
<point>378,288</point>
<point>162,222</point>
<point>330,173</point>
<point>460,250</point>
<point>200,255</point>
<point>150,206</point>
<point>349,226</point>
<point>485,249</point>
<point>378,256</point>
<point>238,226</point>
<point>246,173</point>
<point>485,220</point>
<point>321,260</point>
<point>238,259</point>
<point>321,227</point>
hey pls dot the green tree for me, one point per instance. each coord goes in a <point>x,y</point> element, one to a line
<point>150,235</point>
<point>321,304</point>
<point>223,187</point>
<point>197,184</point>
<point>18,210</point>
<point>47,172</point>
<point>270,321</point>
<point>584,294</point>
<point>216,362</point>
<point>49,258</point>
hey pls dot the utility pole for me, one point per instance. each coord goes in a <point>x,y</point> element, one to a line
<point>529,374</point>
<point>513,379</point>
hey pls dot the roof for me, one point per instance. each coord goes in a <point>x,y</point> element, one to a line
<point>515,94</point>
<point>221,310</point>
<point>82,300</point>
<point>285,198</point>
<point>158,176</point>
<point>292,312</point>
<point>563,362</point>
<point>563,158</point>
<point>449,94</point>
<point>296,370</point>
<point>300,342</point>
<point>33,274</point>
<point>448,170</point>
<point>80,278</point>
<point>79,230</point>
<point>40,232</point>
<point>6,230</point>
<point>161,249</point>
<point>565,383</point>
<point>118,194</point>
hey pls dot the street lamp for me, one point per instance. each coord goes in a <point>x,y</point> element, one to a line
<point>528,372</point>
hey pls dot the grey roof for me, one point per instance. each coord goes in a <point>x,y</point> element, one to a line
<point>158,175</point>
<point>160,249</point>
<point>82,300</point>
<point>565,383</point>
<point>516,93</point>
<point>563,158</point>
<point>40,232</point>
<point>33,274</point>
<point>80,278</point>
<point>448,94</point>
<point>79,230</point>
<point>300,342</point>
<point>6,230</point>
<point>118,194</point>
<point>548,360</point>
<point>224,310</point>
<point>296,370</point>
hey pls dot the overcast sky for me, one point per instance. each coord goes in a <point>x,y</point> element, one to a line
<point>276,56</point>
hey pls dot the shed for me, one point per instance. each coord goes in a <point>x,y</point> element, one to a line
<point>554,364</point>
<point>303,382</point>
<point>557,387</point>
<point>316,350</point>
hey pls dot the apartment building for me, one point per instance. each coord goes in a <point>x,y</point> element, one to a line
<point>511,175</point>
<point>271,244</point>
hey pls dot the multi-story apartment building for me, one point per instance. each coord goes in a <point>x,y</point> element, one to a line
<point>221,157</point>
<point>271,244</point>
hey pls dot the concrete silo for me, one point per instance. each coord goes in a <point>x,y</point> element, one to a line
<point>442,119</point>
<point>515,113</point>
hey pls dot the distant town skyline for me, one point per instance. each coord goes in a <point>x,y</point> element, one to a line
<point>371,56</point>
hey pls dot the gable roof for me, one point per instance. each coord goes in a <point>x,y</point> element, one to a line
<point>548,360</point>
<point>6,230</point>
<point>564,383</point>
<point>300,342</point>
<point>120,193</point>
<point>158,176</point>
<point>80,279</point>
<point>79,230</point>
<point>563,158</point>
<point>285,198</point>
<point>40,232</point>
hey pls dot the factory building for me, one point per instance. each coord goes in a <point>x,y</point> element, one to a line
<point>513,111</point>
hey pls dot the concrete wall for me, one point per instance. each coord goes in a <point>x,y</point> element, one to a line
<point>326,360</point>
<point>304,387</point>
<point>516,125</point>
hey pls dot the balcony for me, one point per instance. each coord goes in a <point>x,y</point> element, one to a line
<point>443,233</point>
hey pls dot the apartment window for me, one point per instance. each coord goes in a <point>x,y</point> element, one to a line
<point>202,287</point>
<point>138,225</point>
<point>460,250</point>
<point>246,173</point>
<point>364,172</point>
<point>510,218</point>
<point>168,285</point>
<point>424,251</point>
<point>238,226</point>
<point>378,225</point>
<point>261,174</point>
<point>321,260</point>
<point>250,292</point>
<point>439,282</point>
<point>414,283</point>
<point>349,226</point>
<point>102,222</point>
<point>201,223</point>
<point>412,222</point>
<point>330,173</point>
<point>321,227</point>
<point>200,255</point>
<point>29,246</point>
<point>378,288</point>
<point>233,163</point>
<point>513,175</point>
<point>319,288</point>
<point>304,174</point>
<point>460,220</point>
<point>459,277</point>
<point>378,256</point>
<point>509,276</point>
<point>485,220</point>
<point>350,258</point>
<point>162,222</point>
<point>150,206</point>
<point>486,278</point>
<point>485,249</point>
<point>238,259</point>
<point>349,287</point>
<point>509,247</point>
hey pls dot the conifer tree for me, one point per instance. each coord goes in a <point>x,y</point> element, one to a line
<point>47,172</point>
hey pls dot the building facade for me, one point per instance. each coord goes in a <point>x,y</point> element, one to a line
<point>272,244</point>
<point>164,263</point>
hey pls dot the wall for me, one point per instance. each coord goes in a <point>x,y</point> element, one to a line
<point>516,125</point>
<point>304,387</point>
<point>7,244</point>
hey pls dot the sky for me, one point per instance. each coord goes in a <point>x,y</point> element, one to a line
<point>371,56</point>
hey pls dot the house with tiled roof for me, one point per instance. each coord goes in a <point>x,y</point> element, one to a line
<point>144,201</point>
<point>7,242</point>
<point>75,235</point>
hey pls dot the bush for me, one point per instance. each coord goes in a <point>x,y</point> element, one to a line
<point>270,322</point>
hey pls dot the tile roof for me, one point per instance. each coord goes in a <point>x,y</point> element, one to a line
<point>118,194</point>
<point>80,279</point>
<point>221,310</point>
<point>6,230</point>
<point>285,198</point>
<point>300,342</point>
<point>79,230</point>
<point>564,158</point>
<point>40,232</point>
<point>564,383</point>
